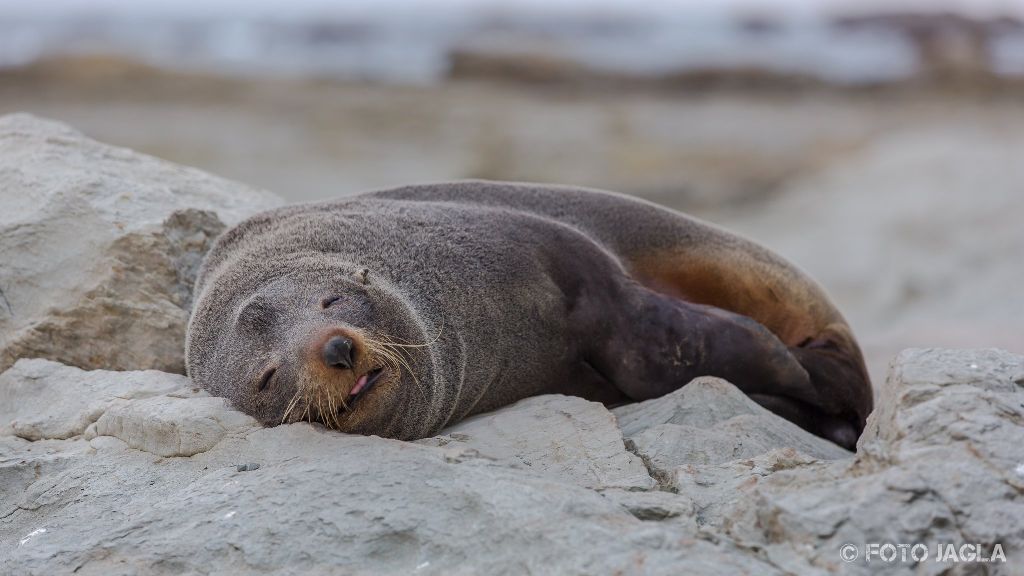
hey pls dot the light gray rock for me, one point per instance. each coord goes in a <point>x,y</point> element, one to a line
<point>703,403</point>
<point>713,445</point>
<point>716,489</point>
<point>300,499</point>
<point>168,426</point>
<point>41,399</point>
<point>99,247</point>
<point>941,462</point>
<point>22,463</point>
<point>562,437</point>
<point>169,480</point>
<point>710,421</point>
<point>656,505</point>
<point>933,394</point>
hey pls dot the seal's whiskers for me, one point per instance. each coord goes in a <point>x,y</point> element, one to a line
<point>291,406</point>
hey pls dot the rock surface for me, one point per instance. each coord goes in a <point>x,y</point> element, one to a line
<point>298,498</point>
<point>99,247</point>
<point>47,400</point>
<point>562,437</point>
<point>941,462</point>
<point>710,421</point>
<point>150,476</point>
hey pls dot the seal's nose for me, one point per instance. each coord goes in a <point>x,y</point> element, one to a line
<point>338,352</point>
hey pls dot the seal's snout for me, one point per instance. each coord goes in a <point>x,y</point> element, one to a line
<point>338,352</point>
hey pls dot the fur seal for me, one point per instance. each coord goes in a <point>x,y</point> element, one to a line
<point>401,311</point>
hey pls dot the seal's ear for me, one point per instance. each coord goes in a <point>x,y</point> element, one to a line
<point>363,276</point>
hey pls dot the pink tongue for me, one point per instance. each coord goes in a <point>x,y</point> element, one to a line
<point>360,384</point>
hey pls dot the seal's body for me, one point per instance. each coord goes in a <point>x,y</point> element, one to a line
<point>402,311</point>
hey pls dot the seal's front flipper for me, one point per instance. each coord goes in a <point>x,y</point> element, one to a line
<point>663,342</point>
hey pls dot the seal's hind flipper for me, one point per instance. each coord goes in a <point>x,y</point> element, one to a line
<point>751,283</point>
<point>740,278</point>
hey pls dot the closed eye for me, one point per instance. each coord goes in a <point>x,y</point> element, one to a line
<point>328,302</point>
<point>266,378</point>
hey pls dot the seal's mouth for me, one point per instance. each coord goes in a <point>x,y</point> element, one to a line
<point>365,383</point>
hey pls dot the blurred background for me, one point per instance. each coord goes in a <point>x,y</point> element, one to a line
<point>878,144</point>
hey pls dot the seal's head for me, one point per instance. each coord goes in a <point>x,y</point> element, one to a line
<point>308,337</point>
